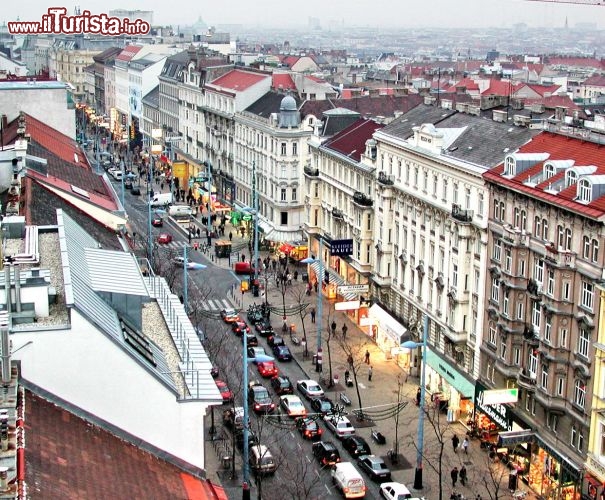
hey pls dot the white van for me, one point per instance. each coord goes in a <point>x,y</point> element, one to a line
<point>161,199</point>
<point>117,174</point>
<point>180,211</point>
<point>348,480</point>
<point>261,460</point>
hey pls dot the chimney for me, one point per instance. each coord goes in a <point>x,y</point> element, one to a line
<point>4,122</point>
<point>6,355</point>
<point>17,275</point>
<point>4,429</point>
<point>3,478</point>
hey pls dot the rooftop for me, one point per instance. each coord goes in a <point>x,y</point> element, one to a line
<point>238,80</point>
<point>351,141</point>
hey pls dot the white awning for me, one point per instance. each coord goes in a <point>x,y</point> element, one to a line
<point>283,236</point>
<point>388,323</point>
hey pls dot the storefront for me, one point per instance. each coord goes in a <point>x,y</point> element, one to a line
<point>449,388</point>
<point>553,475</point>
<point>389,334</point>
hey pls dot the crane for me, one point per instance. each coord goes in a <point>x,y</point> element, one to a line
<point>580,2</point>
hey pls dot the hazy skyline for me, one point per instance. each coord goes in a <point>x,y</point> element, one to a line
<point>387,13</point>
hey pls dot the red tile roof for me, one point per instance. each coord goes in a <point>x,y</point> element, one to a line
<point>282,81</point>
<point>500,87</point>
<point>70,458</point>
<point>351,141</point>
<point>582,62</point>
<point>542,89</point>
<point>551,102</point>
<point>290,60</point>
<point>238,80</point>
<point>316,79</point>
<point>465,82</point>
<point>129,52</point>
<point>596,80</point>
<point>559,147</point>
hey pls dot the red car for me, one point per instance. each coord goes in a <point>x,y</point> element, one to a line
<point>239,327</point>
<point>157,222</point>
<point>267,369</point>
<point>164,238</point>
<point>224,390</point>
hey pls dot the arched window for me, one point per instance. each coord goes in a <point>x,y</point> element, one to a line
<point>549,171</point>
<point>586,247</point>
<point>509,166</point>
<point>570,178</point>
<point>595,250</point>
<point>537,227</point>
<point>584,191</point>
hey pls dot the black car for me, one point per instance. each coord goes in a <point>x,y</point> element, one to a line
<point>282,353</point>
<point>356,446</point>
<point>375,468</point>
<point>322,405</point>
<point>326,452</point>
<point>308,428</point>
<point>282,385</point>
<point>239,438</point>
<point>251,340</point>
<point>254,315</point>
<point>264,328</point>
<point>258,397</point>
<point>274,340</point>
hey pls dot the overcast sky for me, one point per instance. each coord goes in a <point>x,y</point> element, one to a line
<point>437,13</point>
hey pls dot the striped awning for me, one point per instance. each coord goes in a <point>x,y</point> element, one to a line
<point>334,278</point>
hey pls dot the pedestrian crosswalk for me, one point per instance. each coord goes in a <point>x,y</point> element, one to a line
<point>216,304</point>
<point>176,245</point>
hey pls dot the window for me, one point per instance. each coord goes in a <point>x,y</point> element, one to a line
<point>550,283</point>
<point>573,436</point>
<point>492,335</point>
<point>560,386</point>
<point>548,329</point>
<point>455,276</point>
<point>537,227</point>
<point>503,348</point>
<point>294,148</point>
<point>495,290</point>
<point>595,251</point>
<point>522,268</point>
<point>539,271</point>
<point>517,219</point>
<point>544,229</point>
<point>532,365</point>
<point>505,303</point>
<point>536,315</point>
<point>455,192</point>
<point>579,393</point>
<point>583,342</point>
<point>509,166</point>
<point>444,190</point>
<point>497,250</point>
<point>282,196</point>
<point>584,191</point>
<point>563,334</point>
<point>283,216</point>
<point>520,310</point>
<point>553,422</point>
<point>523,220</point>
<point>481,205</point>
<point>587,295</point>
<point>496,210</point>
<point>468,198</point>
<point>508,259</point>
<point>517,356</point>
<point>435,182</point>
<point>586,246</point>
<point>566,290</point>
<point>283,149</point>
<point>544,377</point>
<point>294,194</point>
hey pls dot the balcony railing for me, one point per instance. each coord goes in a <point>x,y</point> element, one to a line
<point>386,180</point>
<point>526,380</point>
<point>311,172</point>
<point>337,214</point>
<point>461,215</point>
<point>361,199</point>
<point>559,257</point>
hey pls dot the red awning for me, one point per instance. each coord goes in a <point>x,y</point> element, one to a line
<point>164,158</point>
<point>286,248</point>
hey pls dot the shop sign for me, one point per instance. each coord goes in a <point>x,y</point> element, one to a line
<point>347,289</point>
<point>246,217</point>
<point>341,248</point>
<point>453,376</point>
<point>512,438</point>
<point>346,306</point>
<point>497,413</point>
<point>500,396</point>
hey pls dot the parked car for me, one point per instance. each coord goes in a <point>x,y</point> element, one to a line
<point>322,405</point>
<point>348,480</point>
<point>339,425</point>
<point>261,461</point>
<point>234,418</point>
<point>264,328</point>
<point>274,340</point>
<point>375,467</point>
<point>356,446</point>
<point>259,398</point>
<point>267,369</point>
<point>292,405</point>
<point>254,315</point>
<point>251,340</point>
<point>309,389</point>
<point>164,238</point>
<point>395,491</point>
<point>239,438</point>
<point>239,327</point>
<point>255,351</point>
<point>282,385</point>
<point>224,390</point>
<point>282,353</point>
<point>308,428</point>
<point>229,315</point>
<point>326,452</point>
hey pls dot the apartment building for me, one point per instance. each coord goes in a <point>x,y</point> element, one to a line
<point>545,249</point>
<point>101,62</point>
<point>430,233</point>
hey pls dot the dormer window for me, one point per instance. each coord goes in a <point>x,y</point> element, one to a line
<point>571,177</point>
<point>584,191</point>
<point>509,166</point>
<point>549,171</point>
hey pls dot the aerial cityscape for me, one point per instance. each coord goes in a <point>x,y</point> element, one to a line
<point>345,251</point>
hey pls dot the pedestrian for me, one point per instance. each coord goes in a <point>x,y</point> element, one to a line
<point>312,315</point>
<point>350,360</point>
<point>333,326</point>
<point>370,370</point>
<point>418,395</point>
<point>198,232</point>
<point>161,186</point>
<point>230,236</point>
<point>455,442</point>
<point>454,475</point>
<point>344,331</point>
<point>367,357</point>
<point>465,444</point>
<point>196,246</point>
<point>463,476</point>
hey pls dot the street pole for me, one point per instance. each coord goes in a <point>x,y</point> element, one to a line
<point>149,236</point>
<point>255,202</point>
<point>97,146</point>
<point>420,448</point>
<point>319,306</point>
<point>209,184</point>
<point>185,279</point>
<point>245,470</point>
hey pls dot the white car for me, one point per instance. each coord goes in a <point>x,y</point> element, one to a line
<point>292,405</point>
<point>396,491</point>
<point>179,261</point>
<point>309,389</point>
<point>341,426</point>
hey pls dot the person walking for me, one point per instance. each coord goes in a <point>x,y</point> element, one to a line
<point>465,444</point>
<point>418,395</point>
<point>344,331</point>
<point>370,370</point>
<point>367,357</point>
<point>455,442</point>
<point>454,476</point>
<point>312,315</point>
<point>350,360</point>
<point>230,236</point>
<point>463,476</point>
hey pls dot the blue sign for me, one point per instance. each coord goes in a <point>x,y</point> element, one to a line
<point>341,248</point>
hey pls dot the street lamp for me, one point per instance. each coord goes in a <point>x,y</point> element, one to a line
<point>410,344</point>
<point>312,260</point>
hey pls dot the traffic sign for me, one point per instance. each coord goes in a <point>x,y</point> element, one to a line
<point>349,289</point>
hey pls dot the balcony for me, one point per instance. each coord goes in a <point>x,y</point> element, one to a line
<point>386,180</point>
<point>362,200</point>
<point>560,257</point>
<point>338,214</point>
<point>515,237</point>
<point>461,215</point>
<point>550,402</point>
<point>311,172</point>
<point>526,381</point>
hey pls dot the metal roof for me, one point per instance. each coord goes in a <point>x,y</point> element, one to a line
<point>111,271</point>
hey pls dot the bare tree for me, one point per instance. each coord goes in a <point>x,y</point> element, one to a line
<point>300,479</point>
<point>300,297</point>
<point>494,477</point>
<point>355,360</point>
